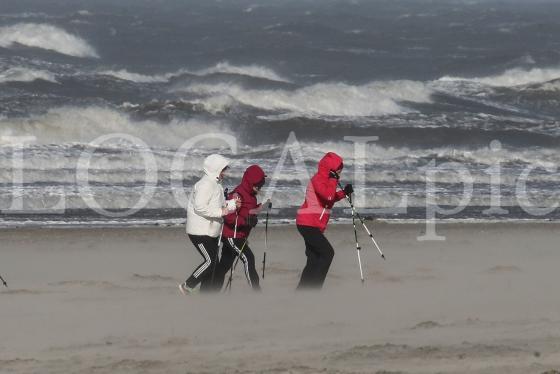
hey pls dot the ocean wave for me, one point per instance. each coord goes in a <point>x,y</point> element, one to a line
<point>17,74</point>
<point>253,71</point>
<point>553,86</point>
<point>46,36</point>
<point>136,77</point>
<point>84,13</point>
<point>324,99</point>
<point>383,164</point>
<point>512,77</point>
<point>28,15</point>
<point>84,124</point>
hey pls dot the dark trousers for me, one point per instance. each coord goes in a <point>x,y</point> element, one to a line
<point>203,274</point>
<point>319,254</point>
<point>230,250</point>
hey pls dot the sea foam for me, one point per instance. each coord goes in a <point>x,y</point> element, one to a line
<point>512,77</point>
<point>324,99</point>
<point>25,75</point>
<point>46,36</point>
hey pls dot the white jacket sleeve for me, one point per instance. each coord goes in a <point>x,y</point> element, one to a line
<point>204,204</point>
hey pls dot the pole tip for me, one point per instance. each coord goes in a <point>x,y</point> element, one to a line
<point>383,257</point>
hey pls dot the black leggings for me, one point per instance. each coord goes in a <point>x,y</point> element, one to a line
<point>319,254</point>
<point>203,274</point>
<point>230,250</point>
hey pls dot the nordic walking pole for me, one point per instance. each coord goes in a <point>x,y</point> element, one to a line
<point>219,245</point>
<point>268,207</point>
<point>3,281</point>
<point>354,212</point>
<point>228,285</point>
<point>217,255</point>
<point>358,248</point>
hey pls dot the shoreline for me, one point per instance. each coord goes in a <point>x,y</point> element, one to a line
<point>285,222</point>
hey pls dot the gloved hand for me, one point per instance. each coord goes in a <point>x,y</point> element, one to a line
<point>334,174</point>
<point>238,200</point>
<point>252,220</point>
<point>231,206</point>
<point>348,189</point>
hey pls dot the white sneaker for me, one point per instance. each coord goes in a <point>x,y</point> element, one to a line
<point>185,290</point>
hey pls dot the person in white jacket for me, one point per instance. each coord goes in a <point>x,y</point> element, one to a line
<point>205,208</point>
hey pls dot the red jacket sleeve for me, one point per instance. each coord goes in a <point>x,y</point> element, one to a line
<point>325,189</point>
<point>340,195</point>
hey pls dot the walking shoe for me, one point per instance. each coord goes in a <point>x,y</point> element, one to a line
<point>185,290</point>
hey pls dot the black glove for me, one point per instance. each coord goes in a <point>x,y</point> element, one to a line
<point>348,189</point>
<point>334,174</point>
<point>252,220</point>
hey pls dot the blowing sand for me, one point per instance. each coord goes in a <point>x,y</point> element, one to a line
<point>106,301</point>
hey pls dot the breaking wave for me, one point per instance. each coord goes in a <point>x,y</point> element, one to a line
<point>324,99</point>
<point>253,71</point>
<point>46,36</point>
<point>25,75</point>
<point>136,77</point>
<point>512,77</point>
<point>77,124</point>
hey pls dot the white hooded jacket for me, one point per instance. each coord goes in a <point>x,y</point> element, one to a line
<point>204,208</point>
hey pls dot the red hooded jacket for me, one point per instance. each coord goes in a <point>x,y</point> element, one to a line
<point>321,194</point>
<point>253,176</point>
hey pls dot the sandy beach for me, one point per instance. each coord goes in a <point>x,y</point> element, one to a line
<point>106,301</point>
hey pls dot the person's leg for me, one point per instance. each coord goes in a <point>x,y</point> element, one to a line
<point>207,279</point>
<point>248,259</point>
<point>194,278</point>
<point>238,246</point>
<point>208,249</point>
<point>307,275</point>
<point>224,266</point>
<point>325,259</point>
<point>319,257</point>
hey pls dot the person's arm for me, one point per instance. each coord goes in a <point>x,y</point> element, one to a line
<point>257,209</point>
<point>204,205</point>
<point>348,190</point>
<point>340,194</point>
<point>325,189</point>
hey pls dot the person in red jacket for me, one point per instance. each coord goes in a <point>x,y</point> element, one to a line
<point>238,226</point>
<point>313,217</point>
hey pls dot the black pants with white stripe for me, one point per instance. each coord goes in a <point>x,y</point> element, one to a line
<point>230,250</point>
<point>319,254</point>
<point>203,274</point>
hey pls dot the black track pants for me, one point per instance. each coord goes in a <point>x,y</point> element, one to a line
<point>230,250</point>
<point>319,254</point>
<point>208,249</point>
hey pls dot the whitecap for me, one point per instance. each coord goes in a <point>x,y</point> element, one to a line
<point>46,36</point>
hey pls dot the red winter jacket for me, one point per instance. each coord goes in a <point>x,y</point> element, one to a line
<point>253,176</point>
<point>321,194</point>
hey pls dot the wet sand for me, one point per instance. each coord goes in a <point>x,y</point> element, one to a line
<point>106,301</point>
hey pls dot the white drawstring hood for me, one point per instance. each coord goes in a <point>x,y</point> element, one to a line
<point>214,164</point>
<point>204,208</point>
